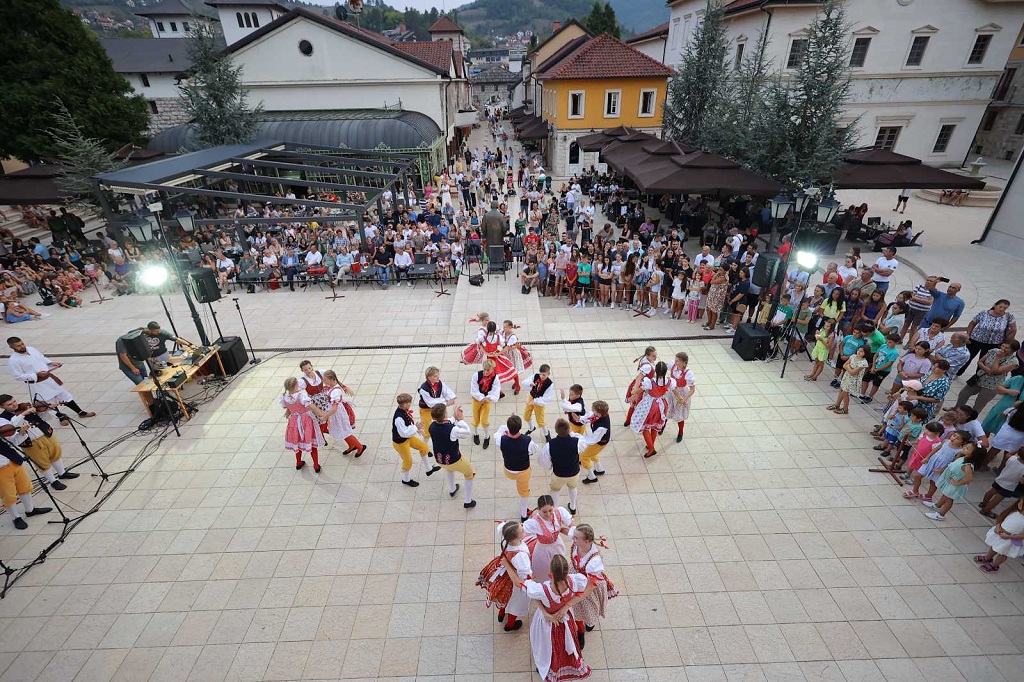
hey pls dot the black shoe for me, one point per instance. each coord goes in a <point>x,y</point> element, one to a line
<point>300,465</point>
<point>487,441</point>
<point>582,639</point>
<point>515,627</point>
<point>349,451</point>
<point>452,493</point>
<point>501,394</point>
<point>476,439</point>
<point>625,424</point>
<point>599,473</point>
<point>57,485</point>
<point>411,484</point>
<point>430,454</point>
<point>39,510</point>
<point>587,481</point>
<point>360,451</point>
<point>433,470</point>
<point>316,468</point>
<point>522,519</point>
<point>834,383</point>
<point>589,628</point>
<point>20,523</point>
<point>528,432</point>
<point>516,391</point>
<point>652,453</point>
<point>679,438</point>
<point>68,475</point>
<point>469,505</point>
<point>547,437</point>
<point>572,511</point>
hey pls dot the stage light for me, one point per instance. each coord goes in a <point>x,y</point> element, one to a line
<point>807,261</point>
<point>153,276</point>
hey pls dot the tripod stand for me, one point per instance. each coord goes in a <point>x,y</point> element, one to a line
<point>333,297</point>
<point>99,293</point>
<point>163,399</point>
<point>255,360</point>
<point>102,475</point>
<point>8,572</point>
<point>440,291</point>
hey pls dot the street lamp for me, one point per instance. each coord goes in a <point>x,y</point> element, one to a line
<point>807,260</point>
<point>154,277</point>
<point>186,219</point>
<point>139,228</point>
<point>828,207</point>
<point>781,204</point>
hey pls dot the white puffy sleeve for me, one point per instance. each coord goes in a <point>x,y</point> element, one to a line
<point>535,590</point>
<point>521,562</point>
<point>564,516</point>
<point>646,384</point>
<point>595,566</point>
<point>578,582</point>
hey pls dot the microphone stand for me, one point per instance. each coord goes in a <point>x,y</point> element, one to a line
<point>103,475</point>
<point>8,572</point>
<point>255,360</point>
<point>99,293</point>
<point>46,488</point>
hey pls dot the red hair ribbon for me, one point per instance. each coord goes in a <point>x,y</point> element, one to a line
<point>602,541</point>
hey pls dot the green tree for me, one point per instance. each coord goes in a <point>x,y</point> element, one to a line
<point>48,53</point>
<point>736,130</point>
<point>80,158</point>
<point>696,89</point>
<point>602,19</point>
<point>214,94</point>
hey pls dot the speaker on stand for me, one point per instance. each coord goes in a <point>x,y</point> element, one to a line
<point>204,285</point>
<point>751,342</point>
<point>766,269</point>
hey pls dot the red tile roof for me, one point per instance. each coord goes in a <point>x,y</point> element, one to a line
<point>437,53</point>
<point>445,25</point>
<point>605,57</point>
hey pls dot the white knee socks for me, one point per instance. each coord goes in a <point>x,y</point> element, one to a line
<point>588,474</point>
<point>406,475</point>
<point>524,506</point>
<point>26,502</point>
<point>48,475</point>
<point>469,491</point>
<point>572,497</point>
<point>598,469</point>
<point>554,497</point>
<point>449,477</point>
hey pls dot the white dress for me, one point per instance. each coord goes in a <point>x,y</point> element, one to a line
<point>1008,439</point>
<point>549,539</point>
<point>542,639</point>
<point>1013,524</point>
<point>679,411</point>
<point>339,425</point>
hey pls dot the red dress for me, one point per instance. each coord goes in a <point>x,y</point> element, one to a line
<point>504,368</point>
<point>301,433</point>
<point>319,396</point>
<point>556,648</point>
<point>652,411</point>
<point>644,370</point>
<point>471,354</point>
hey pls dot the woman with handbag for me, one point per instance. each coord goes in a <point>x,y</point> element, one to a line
<point>993,368</point>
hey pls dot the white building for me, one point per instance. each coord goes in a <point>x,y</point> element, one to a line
<point>153,68</point>
<point>653,43</point>
<point>923,70</point>
<point>239,18</point>
<point>169,19</point>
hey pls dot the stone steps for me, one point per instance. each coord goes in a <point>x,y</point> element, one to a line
<point>983,198</point>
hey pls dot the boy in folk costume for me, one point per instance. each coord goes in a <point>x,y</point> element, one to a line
<point>486,390</point>
<point>562,456</point>
<point>302,433</point>
<point>15,485</point>
<point>596,439</point>
<point>644,369</point>
<point>36,438</point>
<point>474,352</point>
<point>405,436</point>
<point>574,409</point>
<point>521,358</point>
<point>433,392</point>
<point>679,399</point>
<point>542,393</point>
<point>516,449</point>
<point>341,417</point>
<point>444,435</point>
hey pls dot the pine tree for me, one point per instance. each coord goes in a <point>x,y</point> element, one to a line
<point>696,88</point>
<point>80,158</point>
<point>736,133</point>
<point>602,19</point>
<point>214,94</point>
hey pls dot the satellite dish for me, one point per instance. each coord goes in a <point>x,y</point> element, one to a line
<point>355,6</point>
<point>341,12</point>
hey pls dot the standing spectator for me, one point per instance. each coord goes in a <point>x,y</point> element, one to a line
<point>934,387</point>
<point>989,328</point>
<point>884,268</point>
<point>992,370</point>
<point>955,352</point>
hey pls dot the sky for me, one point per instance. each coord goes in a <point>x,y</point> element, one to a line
<point>415,4</point>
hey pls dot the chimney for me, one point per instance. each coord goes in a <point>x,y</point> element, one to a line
<point>555,26</point>
<point>401,27</point>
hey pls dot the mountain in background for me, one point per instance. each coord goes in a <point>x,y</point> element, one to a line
<point>505,17</point>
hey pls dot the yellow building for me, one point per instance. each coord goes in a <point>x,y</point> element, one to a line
<point>594,84</point>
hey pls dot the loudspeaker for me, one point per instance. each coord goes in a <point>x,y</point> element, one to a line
<point>750,342</point>
<point>204,285</point>
<point>232,354</point>
<point>766,269</point>
<point>135,344</point>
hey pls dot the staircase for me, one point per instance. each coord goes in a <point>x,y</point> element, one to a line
<point>17,225</point>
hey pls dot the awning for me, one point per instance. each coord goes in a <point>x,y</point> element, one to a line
<point>536,129</point>
<point>883,169</point>
<point>699,173</point>
<point>628,149</point>
<point>595,142</point>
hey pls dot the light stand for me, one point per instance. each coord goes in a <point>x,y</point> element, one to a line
<point>255,360</point>
<point>8,572</point>
<point>102,475</point>
<point>440,291</point>
<point>154,277</point>
<point>168,313</point>
<point>102,298</point>
<point>333,297</point>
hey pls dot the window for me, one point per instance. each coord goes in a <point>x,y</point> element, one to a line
<point>1019,130</point>
<point>860,52</point>
<point>677,34</point>
<point>648,102</point>
<point>152,107</point>
<point>942,141</point>
<point>739,56</point>
<point>917,48</point>
<point>577,102</point>
<point>305,47</point>
<point>160,26</point>
<point>796,53</point>
<point>255,20</point>
<point>574,153</point>
<point>174,27</point>
<point>145,80</point>
<point>611,103</point>
<point>248,19</point>
<point>887,136</point>
<point>238,16</point>
<point>990,120</point>
<point>184,26</point>
<point>981,44</point>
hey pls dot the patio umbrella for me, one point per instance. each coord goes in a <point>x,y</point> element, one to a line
<point>536,129</point>
<point>621,152</point>
<point>595,142</point>
<point>668,148</point>
<point>883,169</point>
<point>699,172</point>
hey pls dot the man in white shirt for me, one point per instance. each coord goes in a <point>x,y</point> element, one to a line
<point>884,268</point>
<point>403,263</point>
<point>34,369</point>
<point>705,257</point>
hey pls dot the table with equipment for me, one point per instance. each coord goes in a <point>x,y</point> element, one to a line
<point>189,365</point>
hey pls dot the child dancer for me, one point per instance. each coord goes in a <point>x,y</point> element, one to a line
<point>474,352</point>
<point>693,288</point>
<point>652,407</point>
<point>516,449</point>
<point>547,524</point>
<point>518,354</point>
<point>511,600</point>
<point>486,390</point>
<point>405,435</point>
<point>444,436</point>
<point>433,392</point>
<point>679,399</point>
<point>644,370</point>
<point>562,456</point>
<point>586,559</point>
<point>341,418</point>
<point>595,440</point>
<point>312,382</point>
<point>824,339</point>
<point>542,392</point>
<point>493,349</point>
<point>301,433</point>
<point>15,485</point>
<point>574,408</point>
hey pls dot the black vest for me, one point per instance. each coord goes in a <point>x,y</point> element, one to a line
<point>446,450</point>
<point>404,416</point>
<point>33,419</point>
<point>516,452</point>
<point>606,422</point>
<point>577,417</point>
<point>485,384</point>
<point>540,387</point>
<point>426,387</point>
<point>565,456</point>
<point>8,451</point>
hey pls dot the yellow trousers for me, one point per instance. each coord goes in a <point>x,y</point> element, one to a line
<point>482,412</point>
<point>589,456</point>
<point>43,452</point>
<point>522,479</point>
<point>426,419</point>
<point>577,428</point>
<point>533,411</point>
<point>13,482</point>
<point>463,466</point>
<point>405,450</point>
<point>557,482</point>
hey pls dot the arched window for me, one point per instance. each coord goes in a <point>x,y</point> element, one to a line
<point>574,153</point>
<point>248,20</point>
<point>238,16</point>
<point>255,20</point>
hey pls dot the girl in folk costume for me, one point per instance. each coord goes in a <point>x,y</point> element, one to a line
<point>312,382</point>
<point>433,392</point>
<point>511,601</point>
<point>556,637</point>
<point>406,435</point>
<point>301,434</point>
<point>522,359</point>
<point>586,560</point>
<point>644,369</point>
<point>652,406</point>
<point>547,524</point>
<point>493,346</point>
<point>341,417</point>
<point>679,400</point>
<point>474,352</point>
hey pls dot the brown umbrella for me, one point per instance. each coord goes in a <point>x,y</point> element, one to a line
<point>595,142</point>
<point>699,172</point>
<point>668,148</point>
<point>884,169</point>
<point>537,129</point>
<point>625,150</point>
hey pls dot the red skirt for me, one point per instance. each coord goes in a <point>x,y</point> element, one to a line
<point>499,590</point>
<point>629,391</point>
<point>472,355</point>
<point>564,666</point>
<point>506,371</point>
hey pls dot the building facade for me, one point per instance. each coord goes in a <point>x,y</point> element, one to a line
<point>1001,135</point>
<point>923,70</point>
<point>653,43</point>
<point>239,18</point>
<point>493,86</point>
<point>526,94</point>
